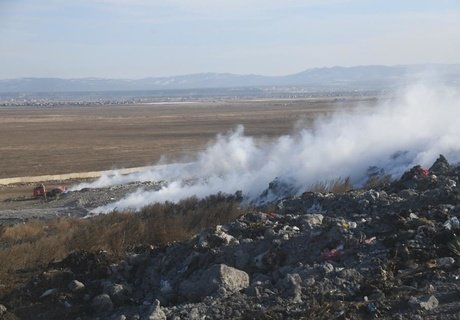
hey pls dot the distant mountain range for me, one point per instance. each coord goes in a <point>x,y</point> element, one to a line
<point>334,78</point>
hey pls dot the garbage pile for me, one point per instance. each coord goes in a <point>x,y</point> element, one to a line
<point>391,252</point>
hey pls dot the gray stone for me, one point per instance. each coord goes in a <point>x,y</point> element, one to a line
<point>327,267</point>
<point>371,195</point>
<point>315,208</point>
<point>194,314</point>
<point>216,238</point>
<point>156,313</point>
<point>218,279</point>
<point>445,262</point>
<point>241,259</point>
<point>426,302</point>
<point>76,285</point>
<point>119,293</point>
<point>49,292</point>
<point>102,303</point>
<point>3,309</point>
<point>291,287</point>
<point>313,220</point>
<point>310,281</point>
<point>136,259</point>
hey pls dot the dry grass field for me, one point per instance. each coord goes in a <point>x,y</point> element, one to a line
<point>55,140</point>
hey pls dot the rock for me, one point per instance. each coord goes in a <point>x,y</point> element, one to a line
<point>327,268</point>
<point>218,279</point>
<point>48,293</point>
<point>313,219</point>
<point>118,293</point>
<point>452,224</point>
<point>216,238</point>
<point>102,303</point>
<point>3,309</point>
<point>426,302</point>
<point>371,195</point>
<point>156,313</point>
<point>445,262</point>
<point>451,183</point>
<point>255,217</point>
<point>408,193</point>
<point>441,166</point>
<point>315,208</point>
<point>291,287</point>
<point>277,188</point>
<point>136,259</point>
<point>76,285</point>
<point>242,259</point>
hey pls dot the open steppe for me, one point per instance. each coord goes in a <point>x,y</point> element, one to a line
<point>38,141</point>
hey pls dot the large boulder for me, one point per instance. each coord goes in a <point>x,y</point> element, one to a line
<point>219,279</point>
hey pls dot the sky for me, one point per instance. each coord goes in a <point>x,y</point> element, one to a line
<point>141,38</point>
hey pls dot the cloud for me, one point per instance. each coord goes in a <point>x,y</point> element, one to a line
<point>210,5</point>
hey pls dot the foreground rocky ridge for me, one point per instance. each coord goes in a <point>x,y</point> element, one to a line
<point>390,252</point>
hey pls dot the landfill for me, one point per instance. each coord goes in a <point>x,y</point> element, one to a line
<point>390,252</point>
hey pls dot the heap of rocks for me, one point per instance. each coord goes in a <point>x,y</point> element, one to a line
<point>391,252</point>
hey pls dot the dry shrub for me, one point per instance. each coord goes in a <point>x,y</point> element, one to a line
<point>32,245</point>
<point>338,185</point>
<point>377,182</point>
<point>23,232</point>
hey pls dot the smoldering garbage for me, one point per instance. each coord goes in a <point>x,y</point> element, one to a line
<point>391,252</point>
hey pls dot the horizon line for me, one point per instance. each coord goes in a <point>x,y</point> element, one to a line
<point>230,73</point>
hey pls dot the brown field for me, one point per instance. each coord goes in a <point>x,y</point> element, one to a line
<point>56,140</point>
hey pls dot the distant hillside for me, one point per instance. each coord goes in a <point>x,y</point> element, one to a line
<point>360,77</point>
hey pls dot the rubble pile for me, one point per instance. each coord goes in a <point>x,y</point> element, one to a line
<point>391,252</point>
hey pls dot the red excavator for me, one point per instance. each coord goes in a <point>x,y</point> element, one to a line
<point>40,191</point>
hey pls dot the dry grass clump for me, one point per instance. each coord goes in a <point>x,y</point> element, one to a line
<point>338,185</point>
<point>30,246</point>
<point>376,182</point>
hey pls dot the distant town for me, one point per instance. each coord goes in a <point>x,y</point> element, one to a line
<point>174,96</point>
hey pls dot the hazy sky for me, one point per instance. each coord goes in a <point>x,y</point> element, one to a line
<point>141,38</point>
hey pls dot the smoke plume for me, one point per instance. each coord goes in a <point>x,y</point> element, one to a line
<point>412,128</point>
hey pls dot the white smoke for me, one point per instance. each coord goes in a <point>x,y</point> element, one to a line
<point>417,126</point>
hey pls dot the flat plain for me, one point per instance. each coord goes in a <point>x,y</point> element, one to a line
<point>67,139</point>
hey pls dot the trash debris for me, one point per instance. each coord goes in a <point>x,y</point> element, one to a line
<point>371,308</point>
<point>331,254</point>
<point>452,223</point>
<point>391,252</point>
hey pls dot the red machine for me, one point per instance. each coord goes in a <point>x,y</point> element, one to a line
<point>40,191</point>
